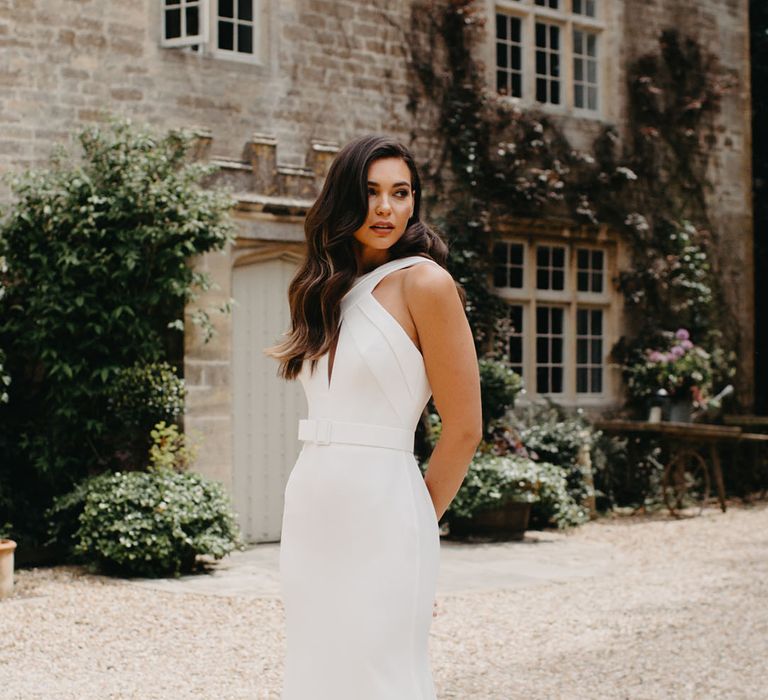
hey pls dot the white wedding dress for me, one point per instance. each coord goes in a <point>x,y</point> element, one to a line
<point>360,546</point>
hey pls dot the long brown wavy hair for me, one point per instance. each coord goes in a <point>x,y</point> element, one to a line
<point>330,266</point>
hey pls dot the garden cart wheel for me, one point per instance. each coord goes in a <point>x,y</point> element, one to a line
<point>686,481</point>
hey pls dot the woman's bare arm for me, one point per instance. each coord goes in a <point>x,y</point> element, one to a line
<point>451,363</point>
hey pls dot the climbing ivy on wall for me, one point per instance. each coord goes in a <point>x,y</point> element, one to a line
<point>496,159</point>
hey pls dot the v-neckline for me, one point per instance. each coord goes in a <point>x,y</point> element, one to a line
<point>330,364</point>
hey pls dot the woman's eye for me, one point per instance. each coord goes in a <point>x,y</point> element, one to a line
<point>403,193</point>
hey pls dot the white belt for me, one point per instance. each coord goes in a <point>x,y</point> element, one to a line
<point>324,432</point>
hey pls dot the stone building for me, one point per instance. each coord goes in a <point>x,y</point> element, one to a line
<point>274,87</point>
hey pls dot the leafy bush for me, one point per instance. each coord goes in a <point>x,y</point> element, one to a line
<point>141,395</point>
<point>493,480</point>
<point>151,523</point>
<point>170,448</point>
<point>547,433</point>
<point>556,505</point>
<point>97,278</point>
<point>499,385</point>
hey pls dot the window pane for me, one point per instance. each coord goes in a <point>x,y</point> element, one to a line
<point>542,380</point>
<point>245,10</point>
<point>597,322</point>
<point>516,339</point>
<point>501,82</point>
<point>508,55</point>
<point>589,351</point>
<point>591,98</point>
<point>541,90</point>
<point>555,92</point>
<point>582,351</point>
<point>501,26</point>
<point>590,264</point>
<point>591,44</point>
<point>597,352</point>
<point>549,349</point>
<point>578,41</point>
<point>193,25</point>
<point>582,322</point>
<point>582,380</point>
<point>501,55</point>
<point>508,268</point>
<point>597,381</point>
<point>245,38</point>
<point>226,8</point>
<point>557,380</point>
<point>226,35</point>
<point>541,62</point>
<point>172,24</point>
<point>542,350</point>
<point>542,319</point>
<point>557,321</point>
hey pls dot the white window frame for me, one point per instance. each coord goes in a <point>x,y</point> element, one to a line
<point>206,42</point>
<point>529,14</point>
<point>185,39</point>
<point>529,297</point>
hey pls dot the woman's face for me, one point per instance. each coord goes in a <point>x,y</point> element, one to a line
<point>390,205</point>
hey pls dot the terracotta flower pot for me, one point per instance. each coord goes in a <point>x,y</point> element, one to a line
<point>7,548</point>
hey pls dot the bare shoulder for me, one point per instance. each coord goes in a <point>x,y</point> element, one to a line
<point>427,283</point>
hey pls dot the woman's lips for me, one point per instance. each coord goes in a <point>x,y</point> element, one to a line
<point>382,230</point>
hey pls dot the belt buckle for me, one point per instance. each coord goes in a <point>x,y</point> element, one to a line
<point>323,431</point>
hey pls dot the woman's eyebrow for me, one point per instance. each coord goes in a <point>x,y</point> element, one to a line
<point>396,184</point>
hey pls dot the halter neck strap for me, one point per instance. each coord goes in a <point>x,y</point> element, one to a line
<point>366,282</point>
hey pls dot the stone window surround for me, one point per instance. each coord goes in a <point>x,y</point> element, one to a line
<point>528,11</point>
<point>528,298</point>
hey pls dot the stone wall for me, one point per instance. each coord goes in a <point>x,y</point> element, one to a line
<point>720,27</point>
<point>331,70</point>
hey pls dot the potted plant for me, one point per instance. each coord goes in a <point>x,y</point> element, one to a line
<point>676,368</point>
<point>495,497</point>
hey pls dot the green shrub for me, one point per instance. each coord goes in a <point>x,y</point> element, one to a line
<point>97,277</point>
<point>152,523</point>
<point>556,505</point>
<point>551,434</point>
<point>145,394</point>
<point>493,480</point>
<point>170,448</point>
<point>499,385</point>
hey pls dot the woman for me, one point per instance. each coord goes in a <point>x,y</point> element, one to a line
<point>378,326</point>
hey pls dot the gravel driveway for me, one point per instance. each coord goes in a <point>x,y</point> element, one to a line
<point>681,612</point>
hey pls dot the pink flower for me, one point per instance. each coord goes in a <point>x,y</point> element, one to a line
<point>682,334</point>
<point>677,351</point>
<point>656,356</point>
<point>687,344</point>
